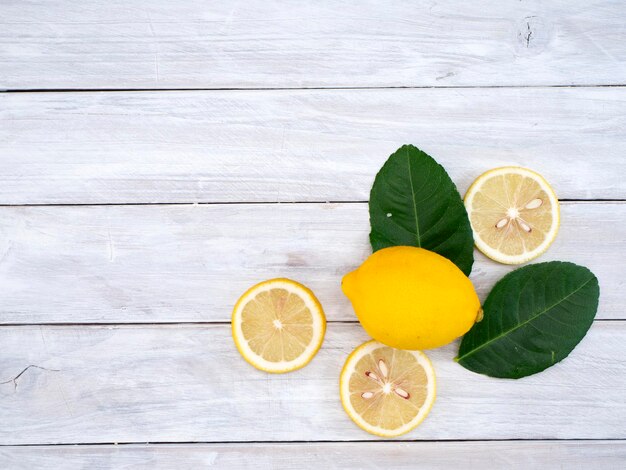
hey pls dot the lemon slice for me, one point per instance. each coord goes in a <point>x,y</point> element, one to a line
<point>514,214</point>
<point>387,391</point>
<point>278,325</point>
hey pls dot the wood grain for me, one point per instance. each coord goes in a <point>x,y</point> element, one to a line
<point>573,455</point>
<point>271,146</point>
<point>160,44</point>
<point>179,263</point>
<point>189,384</point>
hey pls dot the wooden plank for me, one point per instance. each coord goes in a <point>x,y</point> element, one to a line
<point>188,384</point>
<point>345,455</point>
<point>324,145</point>
<point>159,44</point>
<point>179,263</point>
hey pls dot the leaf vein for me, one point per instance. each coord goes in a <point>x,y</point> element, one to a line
<point>417,225</point>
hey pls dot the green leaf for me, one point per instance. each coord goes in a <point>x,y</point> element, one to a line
<point>533,318</point>
<point>414,202</point>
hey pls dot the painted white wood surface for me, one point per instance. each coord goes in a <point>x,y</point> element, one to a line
<point>324,145</point>
<point>545,455</point>
<point>173,383</point>
<point>151,264</point>
<point>161,44</point>
<point>179,263</point>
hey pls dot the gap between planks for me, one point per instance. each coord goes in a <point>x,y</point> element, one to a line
<point>192,323</point>
<point>322,441</point>
<point>452,87</point>
<point>244,203</point>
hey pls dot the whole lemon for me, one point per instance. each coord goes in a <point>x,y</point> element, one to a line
<point>411,298</point>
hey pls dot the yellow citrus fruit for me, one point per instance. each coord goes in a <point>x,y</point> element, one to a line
<point>387,391</point>
<point>278,325</point>
<point>411,298</point>
<point>514,214</point>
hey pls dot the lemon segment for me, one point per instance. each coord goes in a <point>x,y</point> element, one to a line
<point>514,214</point>
<point>387,391</point>
<point>278,325</point>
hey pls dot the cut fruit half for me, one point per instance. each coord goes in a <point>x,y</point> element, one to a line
<point>278,325</point>
<point>387,391</point>
<point>514,214</point>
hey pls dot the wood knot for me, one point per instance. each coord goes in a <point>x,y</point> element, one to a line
<point>533,35</point>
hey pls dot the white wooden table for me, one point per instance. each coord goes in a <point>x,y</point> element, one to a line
<point>157,158</point>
